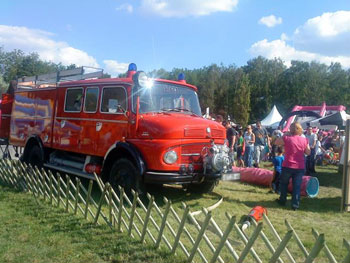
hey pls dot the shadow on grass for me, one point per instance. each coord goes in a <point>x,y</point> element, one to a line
<point>329,177</point>
<point>319,205</point>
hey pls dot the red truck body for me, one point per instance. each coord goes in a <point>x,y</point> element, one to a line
<point>87,126</point>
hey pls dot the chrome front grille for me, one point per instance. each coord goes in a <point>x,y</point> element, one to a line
<point>191,153</point>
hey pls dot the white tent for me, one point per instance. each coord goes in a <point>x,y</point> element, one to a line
<point>272,119</point>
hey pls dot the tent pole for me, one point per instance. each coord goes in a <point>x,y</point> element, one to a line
<point>345,200</point>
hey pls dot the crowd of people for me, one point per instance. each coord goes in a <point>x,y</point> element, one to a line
<point>293,154</point>
<point>251,145</point>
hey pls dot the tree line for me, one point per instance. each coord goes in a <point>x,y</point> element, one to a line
<point>245,93</point>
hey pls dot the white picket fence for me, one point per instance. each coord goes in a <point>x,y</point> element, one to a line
<point>194,238</point>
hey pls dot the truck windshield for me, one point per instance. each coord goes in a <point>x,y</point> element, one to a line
<point>163,97</point>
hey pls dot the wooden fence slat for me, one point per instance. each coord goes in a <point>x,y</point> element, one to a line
<point>276,235</point>
<point>77,189</point>
<point>88,196</point>
<point>147,217</point>
<point>179,231</point>
<point>250,242</point>
<point>132,213</point>
<point>173,233</point>
<point>298,240</point>
<point>163,224</point>
<point>205,237</point>
<point>41,182</point>
<point>100,203</point>
<point>245,240</point>
<point>110,205</point>
<point>19,177</point>
<point>188,234</point>
<point>101,186</point>
<point>51,189</point>
<point>159,212</point>
<point>94,204</point>
<point>121,200</point>
<point>281,246</point>
<point>7,179</point>
<point>329,254</point>
<point>36,180</point>
<point>67,191</point>
<point>223,239</point>
<point>200,236</point>
<point>220,233</point>
<point>58,189</point>
<point>30,182</point>
<point>316,249</point>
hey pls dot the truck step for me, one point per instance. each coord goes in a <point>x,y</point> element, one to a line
<point>70,171</point>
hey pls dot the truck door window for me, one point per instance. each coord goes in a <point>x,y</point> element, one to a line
<point>74,98</point>
<point>113,100</point>
<point>91,99</point>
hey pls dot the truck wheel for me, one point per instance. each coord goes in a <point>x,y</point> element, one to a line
<point>125,174</point>
<point>35,157</point>
<point>205,187</point>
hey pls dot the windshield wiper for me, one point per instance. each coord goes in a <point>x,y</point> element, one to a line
<point>178,110</point>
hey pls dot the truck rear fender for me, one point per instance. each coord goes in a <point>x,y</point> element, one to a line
<point>31,142</point>
<point>123,150</point>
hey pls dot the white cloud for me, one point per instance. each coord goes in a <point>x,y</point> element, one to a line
<point>114,67</point>
<point>270,21</point>
<point>324,38</point>
<point>328,34</point>
<point>33,40</point>
<point>127,7</point>
<point>184,8</point>
<point>280,49</point>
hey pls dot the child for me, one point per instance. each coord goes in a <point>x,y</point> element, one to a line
<point>240,149</point>
<point>277,161</point>
<point>328,156</point>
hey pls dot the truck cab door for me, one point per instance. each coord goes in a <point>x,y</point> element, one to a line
<point>67,123</point>
<point>113,119</point>
<point>90,124</point>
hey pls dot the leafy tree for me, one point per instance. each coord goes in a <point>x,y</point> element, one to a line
<point>241,99</point>
<point>16,64</point>
<point>338,79</point>
<point>263,76</point>
<point>3,85</point>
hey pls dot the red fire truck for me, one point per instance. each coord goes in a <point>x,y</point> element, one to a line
<point>131,131</point>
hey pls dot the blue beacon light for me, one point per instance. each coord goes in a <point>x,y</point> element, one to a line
<point>132,67</point>
<point>131,70</point>
<point>181,78</point>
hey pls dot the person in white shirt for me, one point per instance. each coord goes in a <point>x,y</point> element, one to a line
<point>310,160</point>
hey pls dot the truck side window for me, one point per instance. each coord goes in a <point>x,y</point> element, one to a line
<point>113,100</point>
<point>74,98</point>
<point>91,99</point>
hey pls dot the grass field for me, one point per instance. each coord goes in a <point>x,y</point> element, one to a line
<point>32,233</point>
<point>29,233</point>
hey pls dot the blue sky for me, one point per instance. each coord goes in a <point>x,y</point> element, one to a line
<point>176,33</point>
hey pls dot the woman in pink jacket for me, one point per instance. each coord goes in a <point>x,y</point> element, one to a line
<point>295,148</point>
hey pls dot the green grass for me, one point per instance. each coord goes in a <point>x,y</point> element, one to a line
<point>32,232</point>
<point>45,234</point>
<point>321,213</point>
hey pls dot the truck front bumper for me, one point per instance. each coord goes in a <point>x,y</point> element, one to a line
<point>177,178</point>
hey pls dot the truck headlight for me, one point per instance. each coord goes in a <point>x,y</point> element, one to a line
<point>170,157</point>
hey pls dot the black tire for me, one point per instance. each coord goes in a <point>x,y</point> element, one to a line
<point>205,187</point>
<point>35,157</point>
<point>125,174</point>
